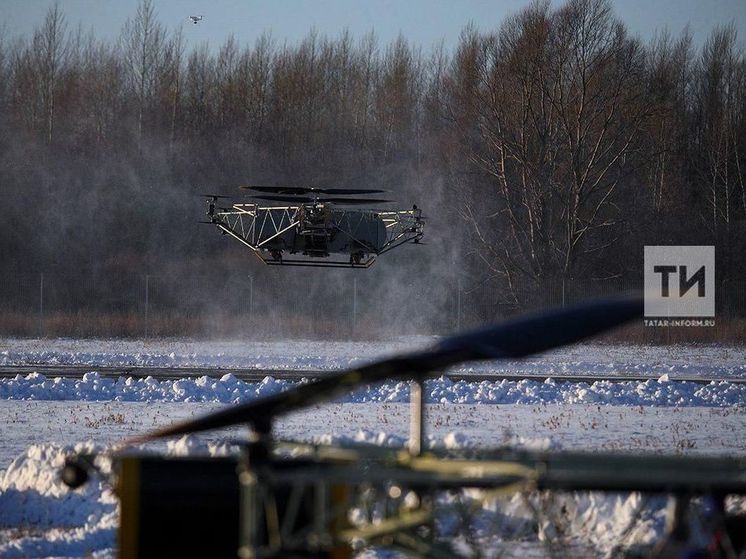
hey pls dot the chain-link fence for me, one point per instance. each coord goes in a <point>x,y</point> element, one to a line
<point>355,304</point>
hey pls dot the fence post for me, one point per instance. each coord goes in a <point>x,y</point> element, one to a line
<point>147,294</point>
<point>354,304</point>
<point>458,304</point>
<point>41,305</point>
<point>251,297</point>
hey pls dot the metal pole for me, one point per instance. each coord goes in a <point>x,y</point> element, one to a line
<point>41,305</point>
<point>147,281</point>
<point>354,304</point>
<point>416,417</point>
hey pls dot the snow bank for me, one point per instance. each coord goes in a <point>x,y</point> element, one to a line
<point>95,388</point>
<point>60,521</point>
<point>41,517</point>
<point>229,389</point>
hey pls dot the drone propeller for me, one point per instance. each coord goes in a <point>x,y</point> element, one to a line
<point>308,200</point>
<point>310,190</point>
<point>297,200</point>
<point>349,190</point>
<point>513,339</point>
<point>215,196</point>
<point>355,201</point>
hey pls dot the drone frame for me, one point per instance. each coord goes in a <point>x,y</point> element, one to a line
<point>255,226</point>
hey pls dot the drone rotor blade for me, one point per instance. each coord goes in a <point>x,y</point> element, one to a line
<point>216,196</point>
<point>354,201</point>
<point>300,190</point>
<point>308,200</point>
<point>337,191</point>
<point>513,339</point>
<point>297,200</point>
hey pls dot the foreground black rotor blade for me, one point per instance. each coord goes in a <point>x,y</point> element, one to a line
<point>513,339</point>
<point>300,190</point>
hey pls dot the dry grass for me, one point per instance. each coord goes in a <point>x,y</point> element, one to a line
<point>725,331</point>
<point>167,325</point>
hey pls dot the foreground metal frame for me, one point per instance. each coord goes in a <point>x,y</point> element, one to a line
<point>296,499</point>
<point>336,480</point>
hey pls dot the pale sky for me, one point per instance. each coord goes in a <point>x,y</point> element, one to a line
<point>422,22</point>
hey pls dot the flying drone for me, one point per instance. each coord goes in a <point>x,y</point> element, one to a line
<point>319,227</point>
<point>289,499</point>
<point>196,19</point>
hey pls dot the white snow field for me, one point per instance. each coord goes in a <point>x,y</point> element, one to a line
<point>44,419</point>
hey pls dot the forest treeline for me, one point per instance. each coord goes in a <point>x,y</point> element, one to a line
<point>545,152</point>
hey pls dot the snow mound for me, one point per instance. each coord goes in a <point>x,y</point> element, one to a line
<point>230,390</point>
<point>58,521</point>
<point>70,523</point>
<point>190,445</point>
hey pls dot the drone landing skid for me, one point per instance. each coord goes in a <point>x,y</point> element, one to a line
<point>317,263</point>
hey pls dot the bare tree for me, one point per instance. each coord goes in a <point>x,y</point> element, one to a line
<point>170,82</point>
<point>397,99</point>
<point>669,75</point>
<point>50,49</point>
<point>558,106</point>
<point>200,90</point>
<point>227,84</point>
<point>4,71</point>
<point>363,90</point>
<point>142,41</point>
<point>257,68</point>
<point>101,95</point>
<point>719,106</point>
<point>602,109</point>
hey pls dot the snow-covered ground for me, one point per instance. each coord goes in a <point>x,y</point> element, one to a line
<point>705,361</point>
<point>45,418</point>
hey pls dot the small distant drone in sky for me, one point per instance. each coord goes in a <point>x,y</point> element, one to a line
<point>196,19</point>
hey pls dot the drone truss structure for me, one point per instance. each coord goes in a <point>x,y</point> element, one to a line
<point>317,232</point>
